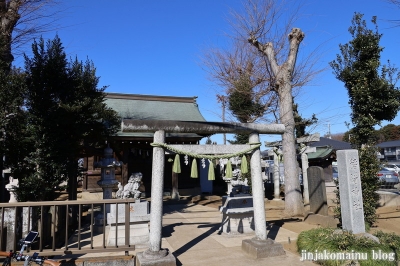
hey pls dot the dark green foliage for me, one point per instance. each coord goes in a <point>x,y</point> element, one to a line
<point>241,100</point>
<point>244,106</point>
<point>337,210</point>
<point>328,239</point>
<point>12,118</point>
<point>66,116</point>
<point>372,95</point>
<point>392,240</point>
<point>388,133</point>
<point>12,115</point>
<point>369,165</point>
<point>240,139</point>
<point>372,98</point>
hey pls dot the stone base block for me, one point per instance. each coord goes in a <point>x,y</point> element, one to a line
<point>138,234</point>
<point>161,258</point>
<point>262,248</point>
<point>138,211</point>
<point>238,223</point>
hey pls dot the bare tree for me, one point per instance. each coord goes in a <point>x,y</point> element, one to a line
<point>281,60</point>
<point>267,25</point>
<point>229,67</point>
<point>283,86</point>
<point>395,2</point>
<point>21,21</point>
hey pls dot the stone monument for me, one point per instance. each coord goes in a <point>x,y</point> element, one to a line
<point>351,201</point>
<point>318,200</point>
<point>316,183</point>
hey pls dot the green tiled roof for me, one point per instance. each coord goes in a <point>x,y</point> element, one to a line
<point>136,106</point>
<point>320,153</point>
<point>152,107</point>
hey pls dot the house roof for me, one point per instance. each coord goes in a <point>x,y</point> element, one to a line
<point>137,106</point>
<point>153,107</point>
<point>335,144</point>
<point>387,144</point>
<point>324,148</point>
<point>321,153</point>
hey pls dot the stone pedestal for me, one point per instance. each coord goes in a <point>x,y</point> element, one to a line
<point>237,215</point>
<point>139,218</point>
<point>17,224</point>
<point>262,248</point>
<point>155,258</point>
<point>138,235</point>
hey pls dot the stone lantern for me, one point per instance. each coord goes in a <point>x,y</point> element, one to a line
<point>107,181</point>
<point>12,187</point>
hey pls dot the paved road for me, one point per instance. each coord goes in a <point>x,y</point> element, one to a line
<point>191,233</point>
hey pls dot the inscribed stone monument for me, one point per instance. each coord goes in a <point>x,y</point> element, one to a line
<point>351,201</point>
<point>317,190</point>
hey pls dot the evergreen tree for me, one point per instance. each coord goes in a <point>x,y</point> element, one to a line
<point>242,103</point>
<point>372,98</point>
<point>66,115</point>
<point>388,133</point>
<point>12,118</point>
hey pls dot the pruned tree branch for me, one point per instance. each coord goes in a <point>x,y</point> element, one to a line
<point>23,20</point>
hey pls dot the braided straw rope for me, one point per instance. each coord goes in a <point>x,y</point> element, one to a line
<point>205,156</point>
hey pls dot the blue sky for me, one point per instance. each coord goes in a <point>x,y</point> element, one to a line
<point>155,47</point>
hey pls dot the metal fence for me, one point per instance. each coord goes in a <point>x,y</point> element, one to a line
<point>65,227</point>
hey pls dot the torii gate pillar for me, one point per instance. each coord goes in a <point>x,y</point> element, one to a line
<point>260,246</point>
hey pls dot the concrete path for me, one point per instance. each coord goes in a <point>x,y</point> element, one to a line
<point>191,233</point>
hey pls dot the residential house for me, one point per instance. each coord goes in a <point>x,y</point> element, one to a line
<point>390,150</point>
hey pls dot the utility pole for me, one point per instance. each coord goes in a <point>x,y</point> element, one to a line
<point>329,131</point>
<point>222,99</point>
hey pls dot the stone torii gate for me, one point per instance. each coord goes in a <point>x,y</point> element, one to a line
<point>304,162</point>
<point>259,246</point>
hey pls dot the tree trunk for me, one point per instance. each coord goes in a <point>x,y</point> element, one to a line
<point>293,197</point>
<point>8,19</point>
<point>283,76</point>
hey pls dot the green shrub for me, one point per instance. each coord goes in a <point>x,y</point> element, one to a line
<point>337,241</point>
